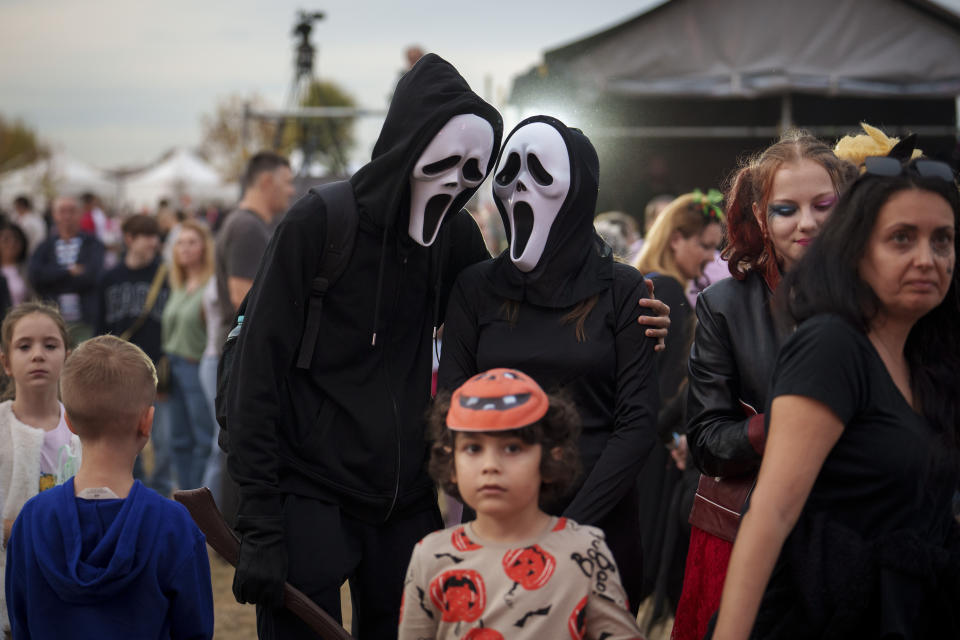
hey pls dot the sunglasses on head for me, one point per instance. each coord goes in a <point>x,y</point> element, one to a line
<point>892,167</point>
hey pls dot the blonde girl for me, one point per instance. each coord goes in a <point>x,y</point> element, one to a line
<point>184,340</point>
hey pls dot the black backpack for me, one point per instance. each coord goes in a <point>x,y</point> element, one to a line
<point>341,232</point>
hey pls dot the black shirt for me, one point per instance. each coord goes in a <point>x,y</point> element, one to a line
<point>611,377</point>
<point>872,544</point>
<point>672,361</point>
<point>121,295</point>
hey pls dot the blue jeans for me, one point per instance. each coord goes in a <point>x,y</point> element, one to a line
<point>191,426</point>
<point>161,480</point>
<point>216,462</point>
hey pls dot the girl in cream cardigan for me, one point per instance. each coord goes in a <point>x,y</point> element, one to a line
<point>37,450</point>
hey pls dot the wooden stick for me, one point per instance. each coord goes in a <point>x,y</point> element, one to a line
<point>203,510</point>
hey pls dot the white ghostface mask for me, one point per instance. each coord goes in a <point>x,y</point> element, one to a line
<point>455,160</point>
<point>532,181</point>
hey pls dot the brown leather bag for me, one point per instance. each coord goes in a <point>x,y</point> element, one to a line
<point>718,504</point>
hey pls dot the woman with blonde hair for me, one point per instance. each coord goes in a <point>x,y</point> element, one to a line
<point>184,341</point>
<point>679,245</point>
<point>681,242</point>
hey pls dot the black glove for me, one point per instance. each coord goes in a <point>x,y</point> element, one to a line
<point>262,561</point>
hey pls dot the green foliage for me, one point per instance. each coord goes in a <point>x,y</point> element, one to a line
<point>223,133</point>
<point>222,142</point>
<point>331,138</point>
<point>19,144</point>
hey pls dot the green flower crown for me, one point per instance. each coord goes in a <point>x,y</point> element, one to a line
<point>711,203</point>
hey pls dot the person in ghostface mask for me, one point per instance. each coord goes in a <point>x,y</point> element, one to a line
<point>330,459</point>
<point>557,306</point>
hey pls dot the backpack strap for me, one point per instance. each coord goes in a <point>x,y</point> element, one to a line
<point>341,232</point>
<point>154,292</point>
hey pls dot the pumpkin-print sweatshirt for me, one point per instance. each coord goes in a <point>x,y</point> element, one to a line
<point>562,584</point>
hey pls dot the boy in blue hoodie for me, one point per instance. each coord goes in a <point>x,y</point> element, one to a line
<point>102,556</point>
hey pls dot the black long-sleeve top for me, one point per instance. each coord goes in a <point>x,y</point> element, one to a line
<point>611,377</point>
<point>672,361</point>
<point>731,362</point>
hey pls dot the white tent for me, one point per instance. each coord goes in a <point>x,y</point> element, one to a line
<point>182,176</point>
<point>59,173</point>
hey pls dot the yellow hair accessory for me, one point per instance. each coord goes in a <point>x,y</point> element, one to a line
<point>855,149</point>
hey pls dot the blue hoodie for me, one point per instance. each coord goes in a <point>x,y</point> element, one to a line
<point>131,568</point>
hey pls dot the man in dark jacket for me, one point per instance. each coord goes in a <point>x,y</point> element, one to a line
<point>65,268</point>
<point>331,460</point>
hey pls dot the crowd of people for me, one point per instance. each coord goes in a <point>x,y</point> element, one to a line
<point>772,453</point>
<point>62,283</point>
<point>156,289</point>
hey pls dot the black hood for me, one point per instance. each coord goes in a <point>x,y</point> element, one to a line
<point>576,263</point>
<point>425,99</point>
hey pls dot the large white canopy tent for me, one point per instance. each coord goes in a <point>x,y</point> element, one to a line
<point>183,177</point>
<point>57,174</point>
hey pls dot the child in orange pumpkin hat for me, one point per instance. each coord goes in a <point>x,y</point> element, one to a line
<point>503,446</point>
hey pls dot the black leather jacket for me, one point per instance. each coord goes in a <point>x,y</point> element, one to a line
<point>731,364</point>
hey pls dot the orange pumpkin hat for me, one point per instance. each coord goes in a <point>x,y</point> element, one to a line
<point>497,400</point>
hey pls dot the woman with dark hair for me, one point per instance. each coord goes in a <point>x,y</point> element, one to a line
<point>851,519</point>
<point>13,262</point>
<point>775,206</point>
<point>557,306</point>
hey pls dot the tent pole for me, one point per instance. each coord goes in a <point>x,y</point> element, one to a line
<point>245,130</point>
<point>786,113</point>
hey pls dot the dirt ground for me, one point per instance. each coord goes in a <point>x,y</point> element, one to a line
<point>231,620</point>
<point>235,621</point>
<point>659,631</point>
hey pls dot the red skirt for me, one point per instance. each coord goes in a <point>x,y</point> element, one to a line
<point>707,561</point>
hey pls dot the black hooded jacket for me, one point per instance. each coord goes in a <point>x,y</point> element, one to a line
<point>611,376</point>
<point>351,429</point>
<point>575,263</point>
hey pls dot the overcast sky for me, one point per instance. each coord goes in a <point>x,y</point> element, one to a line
<point>118,82</point>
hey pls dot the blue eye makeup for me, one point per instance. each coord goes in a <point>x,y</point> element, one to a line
<point>785,210</point>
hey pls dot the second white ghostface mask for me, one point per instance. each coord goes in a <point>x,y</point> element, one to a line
<point>532,180</point>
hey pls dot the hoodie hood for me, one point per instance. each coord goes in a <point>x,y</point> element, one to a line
<point>96,548</point>
<point>575,263</point>
<point>425,100</point>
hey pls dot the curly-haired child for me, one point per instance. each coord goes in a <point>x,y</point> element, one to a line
<point>504,447</point>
